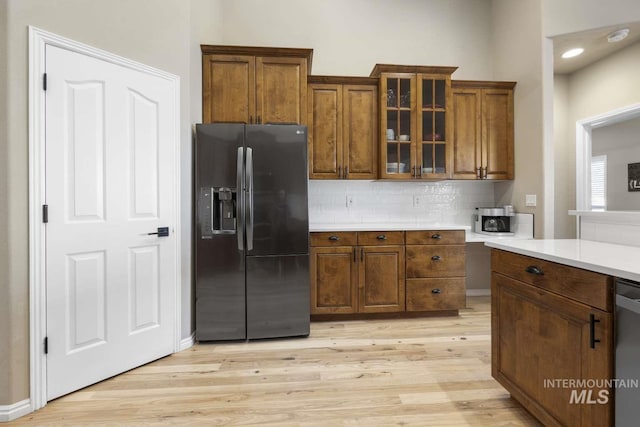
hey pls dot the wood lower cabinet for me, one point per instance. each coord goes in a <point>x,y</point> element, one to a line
<point>357,272</point>
<point>435,270</point>
<point>254,84</point>
<point>387,272</point>
<point>539,335</point>
<point>343,127</point>
<point>483,133</point>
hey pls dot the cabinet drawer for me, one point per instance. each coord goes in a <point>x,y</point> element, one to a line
<point>435,294</point>
<point>435,237</point>
<point>373,238</point>
<point>338,238</point>
<point>435,261</point>
<point>585,286</point>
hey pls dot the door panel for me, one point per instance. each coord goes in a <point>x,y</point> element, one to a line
<point>360,136</point>
<point>466,133</point>
<point>109,156</point>
<point>325,127</point>
<point>277,296</point>
<point>334,280</point>
<point>280,180</point>
<point>228,92</point>
<point>281,90</point>
<point>497,133</point>
<point>381,279</point>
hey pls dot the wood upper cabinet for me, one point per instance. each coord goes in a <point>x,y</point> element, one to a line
<point>343,127</point>
<point>540,334</point>
<point>415,121</point>
<point>483,133</point>
<point>254,84</point>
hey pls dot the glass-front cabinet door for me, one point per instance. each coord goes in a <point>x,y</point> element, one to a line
<point>433,149</point>
<point>398,125</point>
<point>415,127</point>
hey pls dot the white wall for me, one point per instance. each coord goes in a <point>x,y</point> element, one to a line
<point>606,85</point>
<point>621,143</point>
<point>518,49</point>
<point>565,188</point>
<point>571,16</point>
<point>350,37</point>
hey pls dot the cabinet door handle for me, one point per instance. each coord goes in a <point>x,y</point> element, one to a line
<point>420,171</point>
<point>436,258</point>
<point>259,120</point>
<point>354,255</point>
<point>381,237</point>
<point>479,173</point>
<point>534,270</point>
<point>334,238</point>
<point>592,330</point>
<point>346,172</point>
<point>435,291</point>
<point>436,236</point>
<point>339,172</point>
<point>361,254</point>
<point>485,172</point>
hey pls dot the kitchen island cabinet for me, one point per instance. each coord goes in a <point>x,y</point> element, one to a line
<point>552,322</point>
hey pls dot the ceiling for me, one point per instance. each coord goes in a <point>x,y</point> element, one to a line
<point>594,43</point>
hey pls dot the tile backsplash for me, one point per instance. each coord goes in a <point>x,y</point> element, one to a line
<point>443,202</point>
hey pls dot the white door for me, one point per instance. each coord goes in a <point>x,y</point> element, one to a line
<point>110,181</point>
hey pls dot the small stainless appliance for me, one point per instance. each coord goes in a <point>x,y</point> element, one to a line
<point>494,221</point>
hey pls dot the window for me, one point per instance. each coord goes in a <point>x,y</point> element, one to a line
<point>599,182</point>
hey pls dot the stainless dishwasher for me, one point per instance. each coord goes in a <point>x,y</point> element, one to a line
<point>627,399</point>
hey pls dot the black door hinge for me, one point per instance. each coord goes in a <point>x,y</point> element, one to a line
<point>46,345</point>
<point>44,81</point>
<point>45,213</point>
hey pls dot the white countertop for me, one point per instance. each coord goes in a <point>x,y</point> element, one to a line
<point>470,236</point>
<point>607,258</point>
<point>384,226</point>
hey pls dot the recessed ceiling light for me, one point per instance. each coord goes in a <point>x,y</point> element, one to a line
<point>616,36</point>
<point>572,52</point>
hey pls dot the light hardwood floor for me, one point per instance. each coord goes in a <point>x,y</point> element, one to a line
<point>422,372</point>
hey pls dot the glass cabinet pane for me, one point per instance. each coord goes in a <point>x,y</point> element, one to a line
<point>439,94</point>
<point>398,157</point>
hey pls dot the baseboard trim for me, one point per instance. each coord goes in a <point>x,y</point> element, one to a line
<point>17,410</point>
<point>478,292</point>
<point>188,342</point>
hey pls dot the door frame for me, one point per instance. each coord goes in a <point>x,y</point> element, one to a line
<point>38,40</point>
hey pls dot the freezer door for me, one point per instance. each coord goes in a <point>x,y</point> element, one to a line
<point>278,223</point>
<point>277,296</point>
<point>219,262</point>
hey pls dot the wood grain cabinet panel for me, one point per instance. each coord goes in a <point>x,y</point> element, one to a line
<point>435,294</point>
<point>435,261</point>
<point>244,84</point>
<point>343,127</point>
<point>381,279</point>
<point>540,335</point>
<point>333,280</point>
<point>483,132</point>
<point>435,237</point>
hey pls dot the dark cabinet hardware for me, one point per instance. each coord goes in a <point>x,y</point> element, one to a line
<point>334,238</point>
<point>361,254</point>
<point>592,330</point>
<point>381,237</point>
<point>346,172</point>
<point>435,291</point>
<point>354,255</point>
<point>436,236</point>
<point>162,232</point>
<point>534,270</point>
<point>436,258</point>
<point>339,172</point>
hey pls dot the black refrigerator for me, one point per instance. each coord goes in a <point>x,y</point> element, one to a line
<point>252,231</point>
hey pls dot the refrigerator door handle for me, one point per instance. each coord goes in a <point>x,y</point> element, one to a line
<point>240,198</point>
<point>249,199</point>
